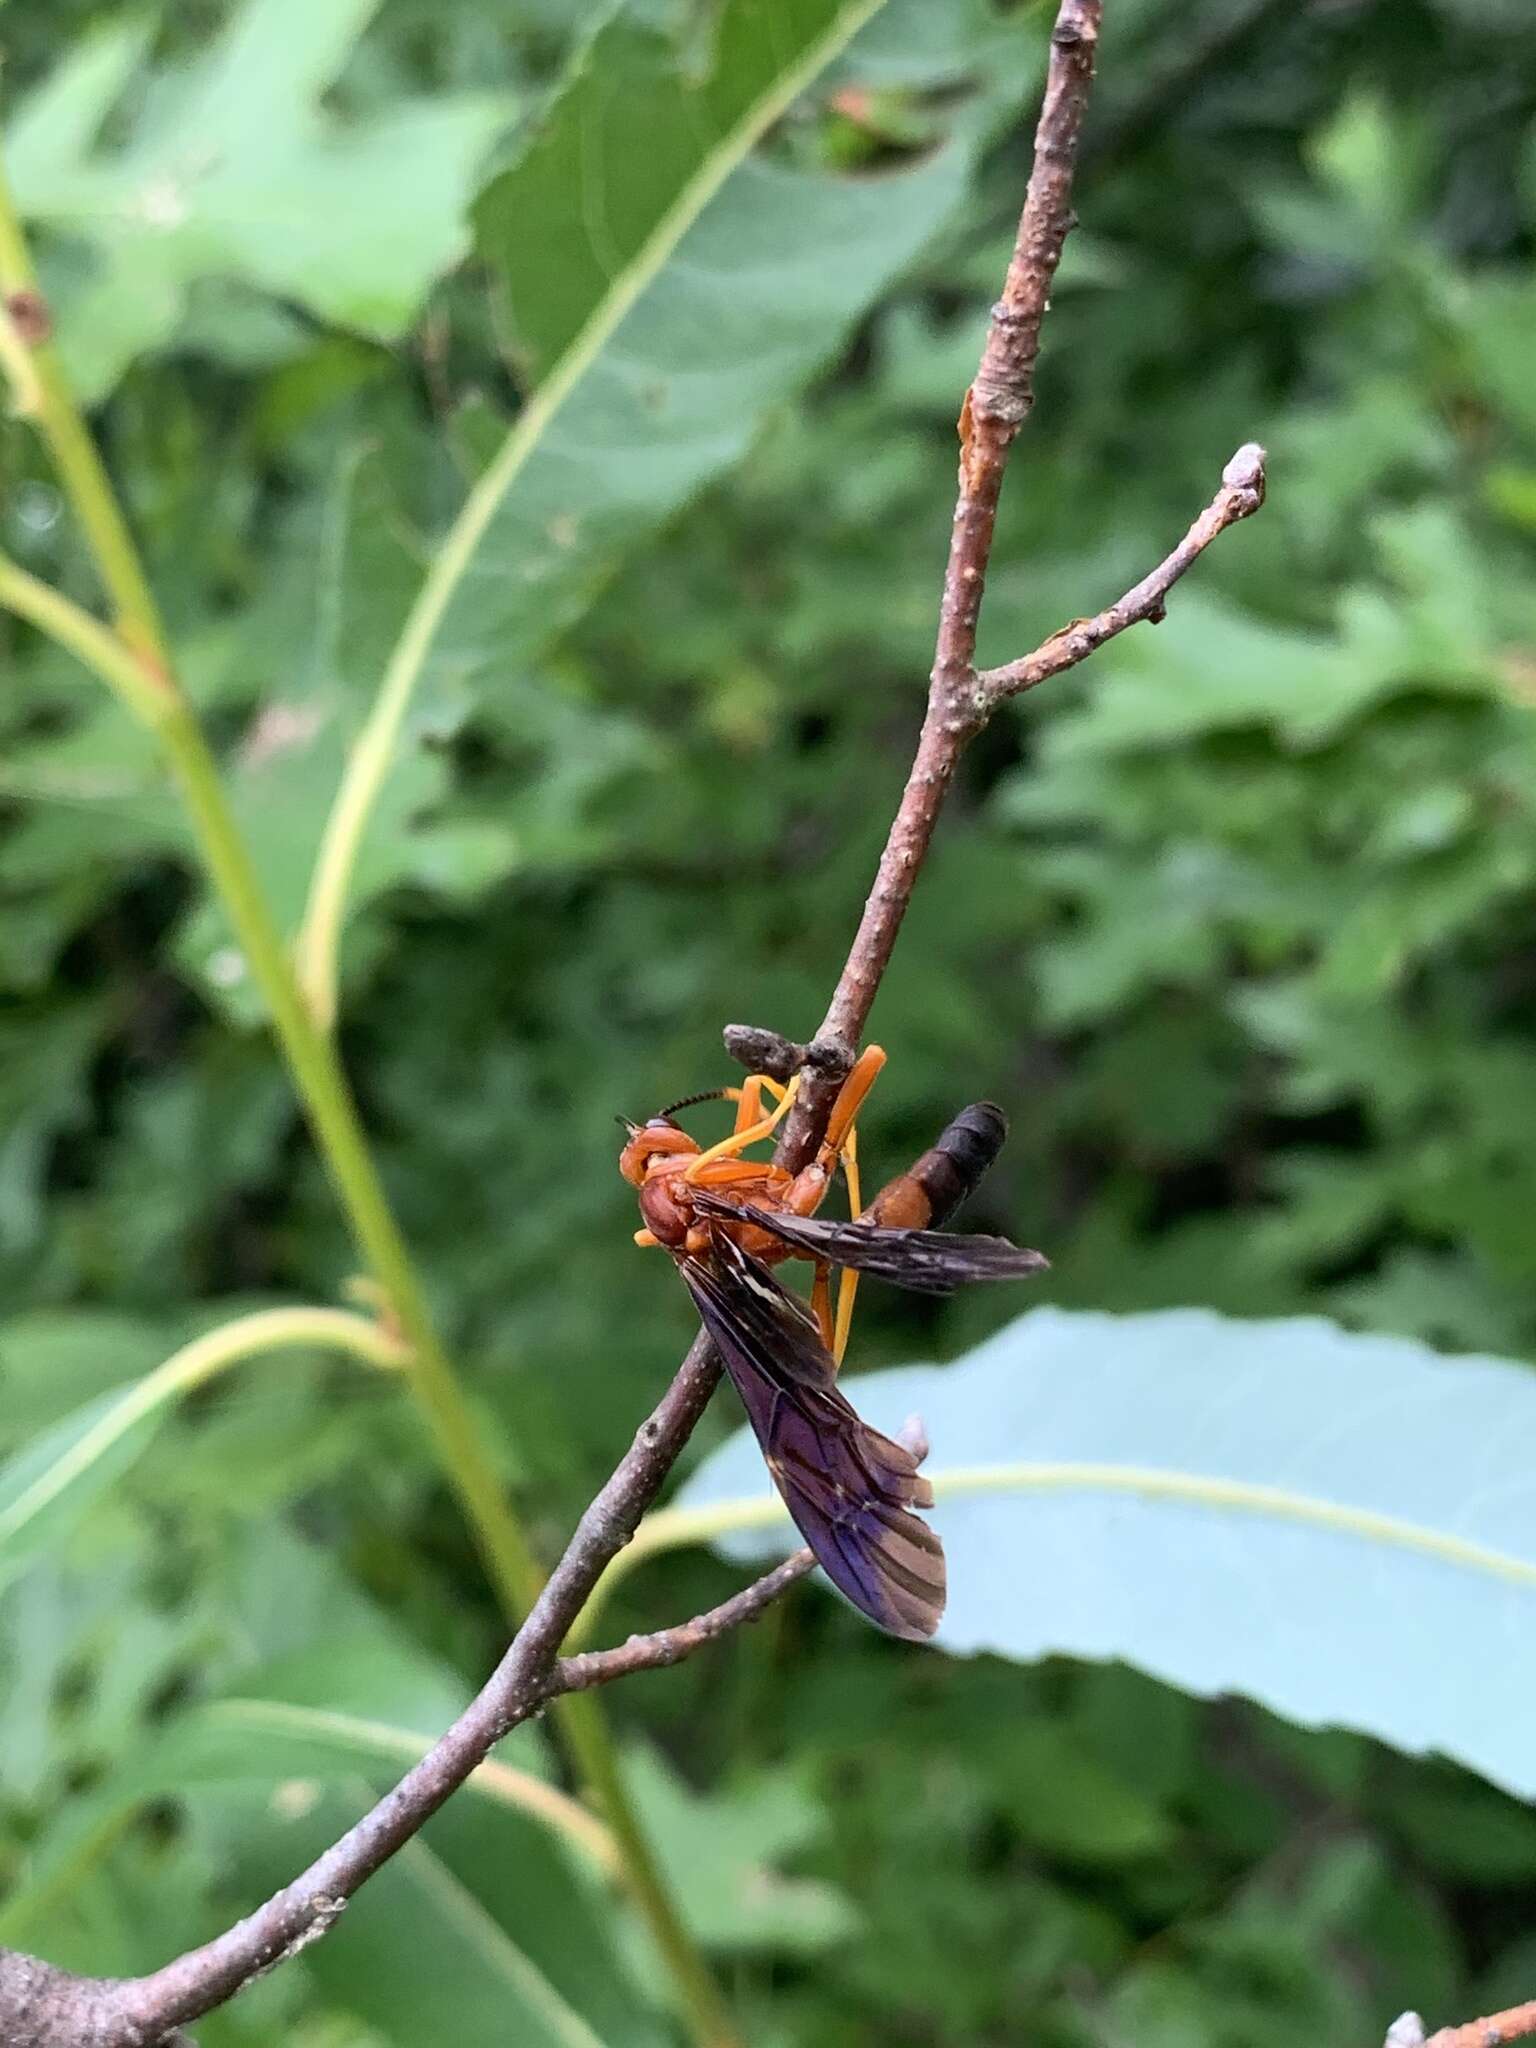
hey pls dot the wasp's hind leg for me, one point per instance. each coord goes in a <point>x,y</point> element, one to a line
<point>847,1279</point>
<point>821,1304</point>
<point>804,1194</point>
<point>850,1100</point>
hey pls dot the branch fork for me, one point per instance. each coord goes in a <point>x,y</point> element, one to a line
<point>45,2008</point>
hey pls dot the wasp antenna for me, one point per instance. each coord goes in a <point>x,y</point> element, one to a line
<point>688,1102</point>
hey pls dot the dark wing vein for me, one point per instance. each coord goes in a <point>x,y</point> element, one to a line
<point>849,1489</point>
<point>927,1261</point>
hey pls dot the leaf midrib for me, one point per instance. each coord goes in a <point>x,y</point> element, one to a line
<point>671,1528</point>
<point>373,753</point>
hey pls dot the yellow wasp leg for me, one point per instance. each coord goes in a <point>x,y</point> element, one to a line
<point>749,1098</point>
<point>821,1305</point>
<point>740,1140</point>
<point>850,1099</point>
<point>847,1279</point>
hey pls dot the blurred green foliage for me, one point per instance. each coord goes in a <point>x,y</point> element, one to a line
<point>1238,922</point>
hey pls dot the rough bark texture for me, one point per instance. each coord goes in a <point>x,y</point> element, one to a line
<point>41,2007</point>
<point>995,407</point>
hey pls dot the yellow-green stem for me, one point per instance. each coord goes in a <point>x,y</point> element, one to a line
<point>267,1329</point>
<point>16,366</point>
<point>317,1072</point>
<point>316,1068</point>
<point>136,666</point>
<point>48,403</point>
<point>586,1729</point>
<point>124,673</point>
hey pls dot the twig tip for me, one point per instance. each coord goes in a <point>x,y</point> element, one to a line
<point>1407,2030</point>
<point>1245,472</point>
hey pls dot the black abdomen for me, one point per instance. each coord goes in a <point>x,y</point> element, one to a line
<point>949,1170</point>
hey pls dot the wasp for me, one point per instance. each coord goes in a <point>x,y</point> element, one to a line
<point>728,1220</point>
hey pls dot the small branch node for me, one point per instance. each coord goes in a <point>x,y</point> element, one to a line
<point>762,1051</point>
<point>324,1912</point>
<point>30,316</point>
<point>1243,483</point>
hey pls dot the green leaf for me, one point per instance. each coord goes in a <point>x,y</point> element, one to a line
<point>49,1484</point>
<point>676,286</point>
<point>483,1988</point>
<point>53,1361</point>
<point>1209,669</point>
<point>47,1488</point>
<point>507,1892</point>
<point>1458,1826</point>
<point>1064,1800</point>
<point>720,1854</point>
<point>1338,1526</point>
<point>279,1751</point>
<point>521,1936</point>
<point>237,173</point>
<point>711,283</point>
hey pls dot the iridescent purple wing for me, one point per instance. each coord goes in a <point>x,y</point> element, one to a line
<point>926,1261</point>
<point>849,1489</point>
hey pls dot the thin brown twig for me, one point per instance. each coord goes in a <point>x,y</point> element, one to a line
<point>1515,2023</point>
<point>670,1646</point>
<point>961,699</point>
<point>996,407</point>
<point>1241,494</point>
<point>46,2008</point>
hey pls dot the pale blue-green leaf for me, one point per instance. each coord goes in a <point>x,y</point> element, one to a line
<point>1340,1526</point>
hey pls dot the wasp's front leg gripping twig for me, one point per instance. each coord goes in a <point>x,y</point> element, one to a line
<point>741,1139</point>
<point>749,1099</point>
<point>842,1142</point>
